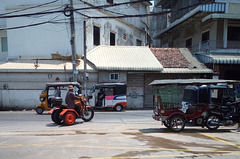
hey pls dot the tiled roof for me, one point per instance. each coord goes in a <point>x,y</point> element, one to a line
<point>170,57</point>
<point>179,60</point>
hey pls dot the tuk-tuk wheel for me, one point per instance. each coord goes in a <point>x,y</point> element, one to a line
<point>212,118</point>
<point>39,110</point>
<point>118,108</point>
<point>69,118</point>
<point>176,123</point>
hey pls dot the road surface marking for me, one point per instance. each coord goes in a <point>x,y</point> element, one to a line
<point>221,140</point>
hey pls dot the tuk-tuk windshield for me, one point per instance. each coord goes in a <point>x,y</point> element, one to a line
<point>115,89</point>
<point>222,96</point>
<point>190,96</point>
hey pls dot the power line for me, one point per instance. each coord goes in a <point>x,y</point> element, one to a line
<point>94,17</point>
<point>29,8</point>
<point>35,24</point>
<point>60,11</point>
<point>130,16</point>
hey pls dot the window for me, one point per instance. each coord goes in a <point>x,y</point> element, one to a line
<point>205,37</point>
<point>96,34</point>
<point>112,38</point>
<point>110,1</point>
<point>233,33</point>
<point>124,36</point>
<point>4,44</point>
<point>139,43</point>
<point>189,43</point>
<point>114,76</point>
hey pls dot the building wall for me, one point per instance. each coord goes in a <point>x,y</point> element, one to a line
<point>103,77</point>
<point>42,40</point>
<point>125,35</point>
<point>19,90</point>
<point>135,90</point>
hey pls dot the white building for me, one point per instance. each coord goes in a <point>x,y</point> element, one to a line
<point>53,35</point>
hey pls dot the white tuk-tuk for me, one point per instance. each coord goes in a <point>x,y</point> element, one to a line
<point>108,95</point>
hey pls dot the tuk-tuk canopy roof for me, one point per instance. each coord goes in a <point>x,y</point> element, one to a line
<point>57,84</point>
<point>196,88</point>
<point>106,85</point>
<point>190,81</point>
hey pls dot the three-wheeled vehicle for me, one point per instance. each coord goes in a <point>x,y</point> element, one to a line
<point>55,89</point>
<point>176,102</point>
<point>61,112</point>
<point>108,95</point>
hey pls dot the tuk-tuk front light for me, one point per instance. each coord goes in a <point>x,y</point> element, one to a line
<point>42,99</point>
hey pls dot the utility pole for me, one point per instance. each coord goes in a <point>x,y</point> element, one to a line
<point>72,41</point>
<point>85,58</point>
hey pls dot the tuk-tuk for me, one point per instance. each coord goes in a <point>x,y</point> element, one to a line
<point>108,95</point>
<point>176,102</point>
<point>55,89</point>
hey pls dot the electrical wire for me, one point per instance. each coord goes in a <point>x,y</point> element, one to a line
<point>29,8</point>
<point>86,8</point>
<point>35,24</point>
<point>89,17</point>
<point>130,16</point>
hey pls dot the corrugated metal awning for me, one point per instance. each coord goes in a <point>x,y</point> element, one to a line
<point>220,58</point>
<point>190,81</point>
<point>221,16</point>
<point>213,7</point>
<point>126,58</point>
<point>186,70</point>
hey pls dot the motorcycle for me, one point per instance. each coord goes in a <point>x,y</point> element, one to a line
<point>228,115</point>
<point>67,115</point>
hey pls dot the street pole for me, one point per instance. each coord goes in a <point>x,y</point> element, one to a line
<point>85,58</point>
<point>72,41</point>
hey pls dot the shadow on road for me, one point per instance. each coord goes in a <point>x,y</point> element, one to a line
<point>166,130</point>
<point>62,124</point>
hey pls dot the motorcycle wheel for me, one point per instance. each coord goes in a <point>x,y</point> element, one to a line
<point>176,123</point>
<point>55,116</point>
<point>209,120</point>
<point>69,118</point>
<point>88,114</point>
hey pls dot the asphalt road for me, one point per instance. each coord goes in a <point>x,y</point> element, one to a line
<point>110,135</point>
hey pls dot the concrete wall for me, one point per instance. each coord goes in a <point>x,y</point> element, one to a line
<point>135,90</point>
<point>42,40</point>
<point>23,89</point>
<point>19,99</point>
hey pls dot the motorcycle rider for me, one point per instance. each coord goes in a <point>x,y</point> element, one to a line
<point>70,97</point>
